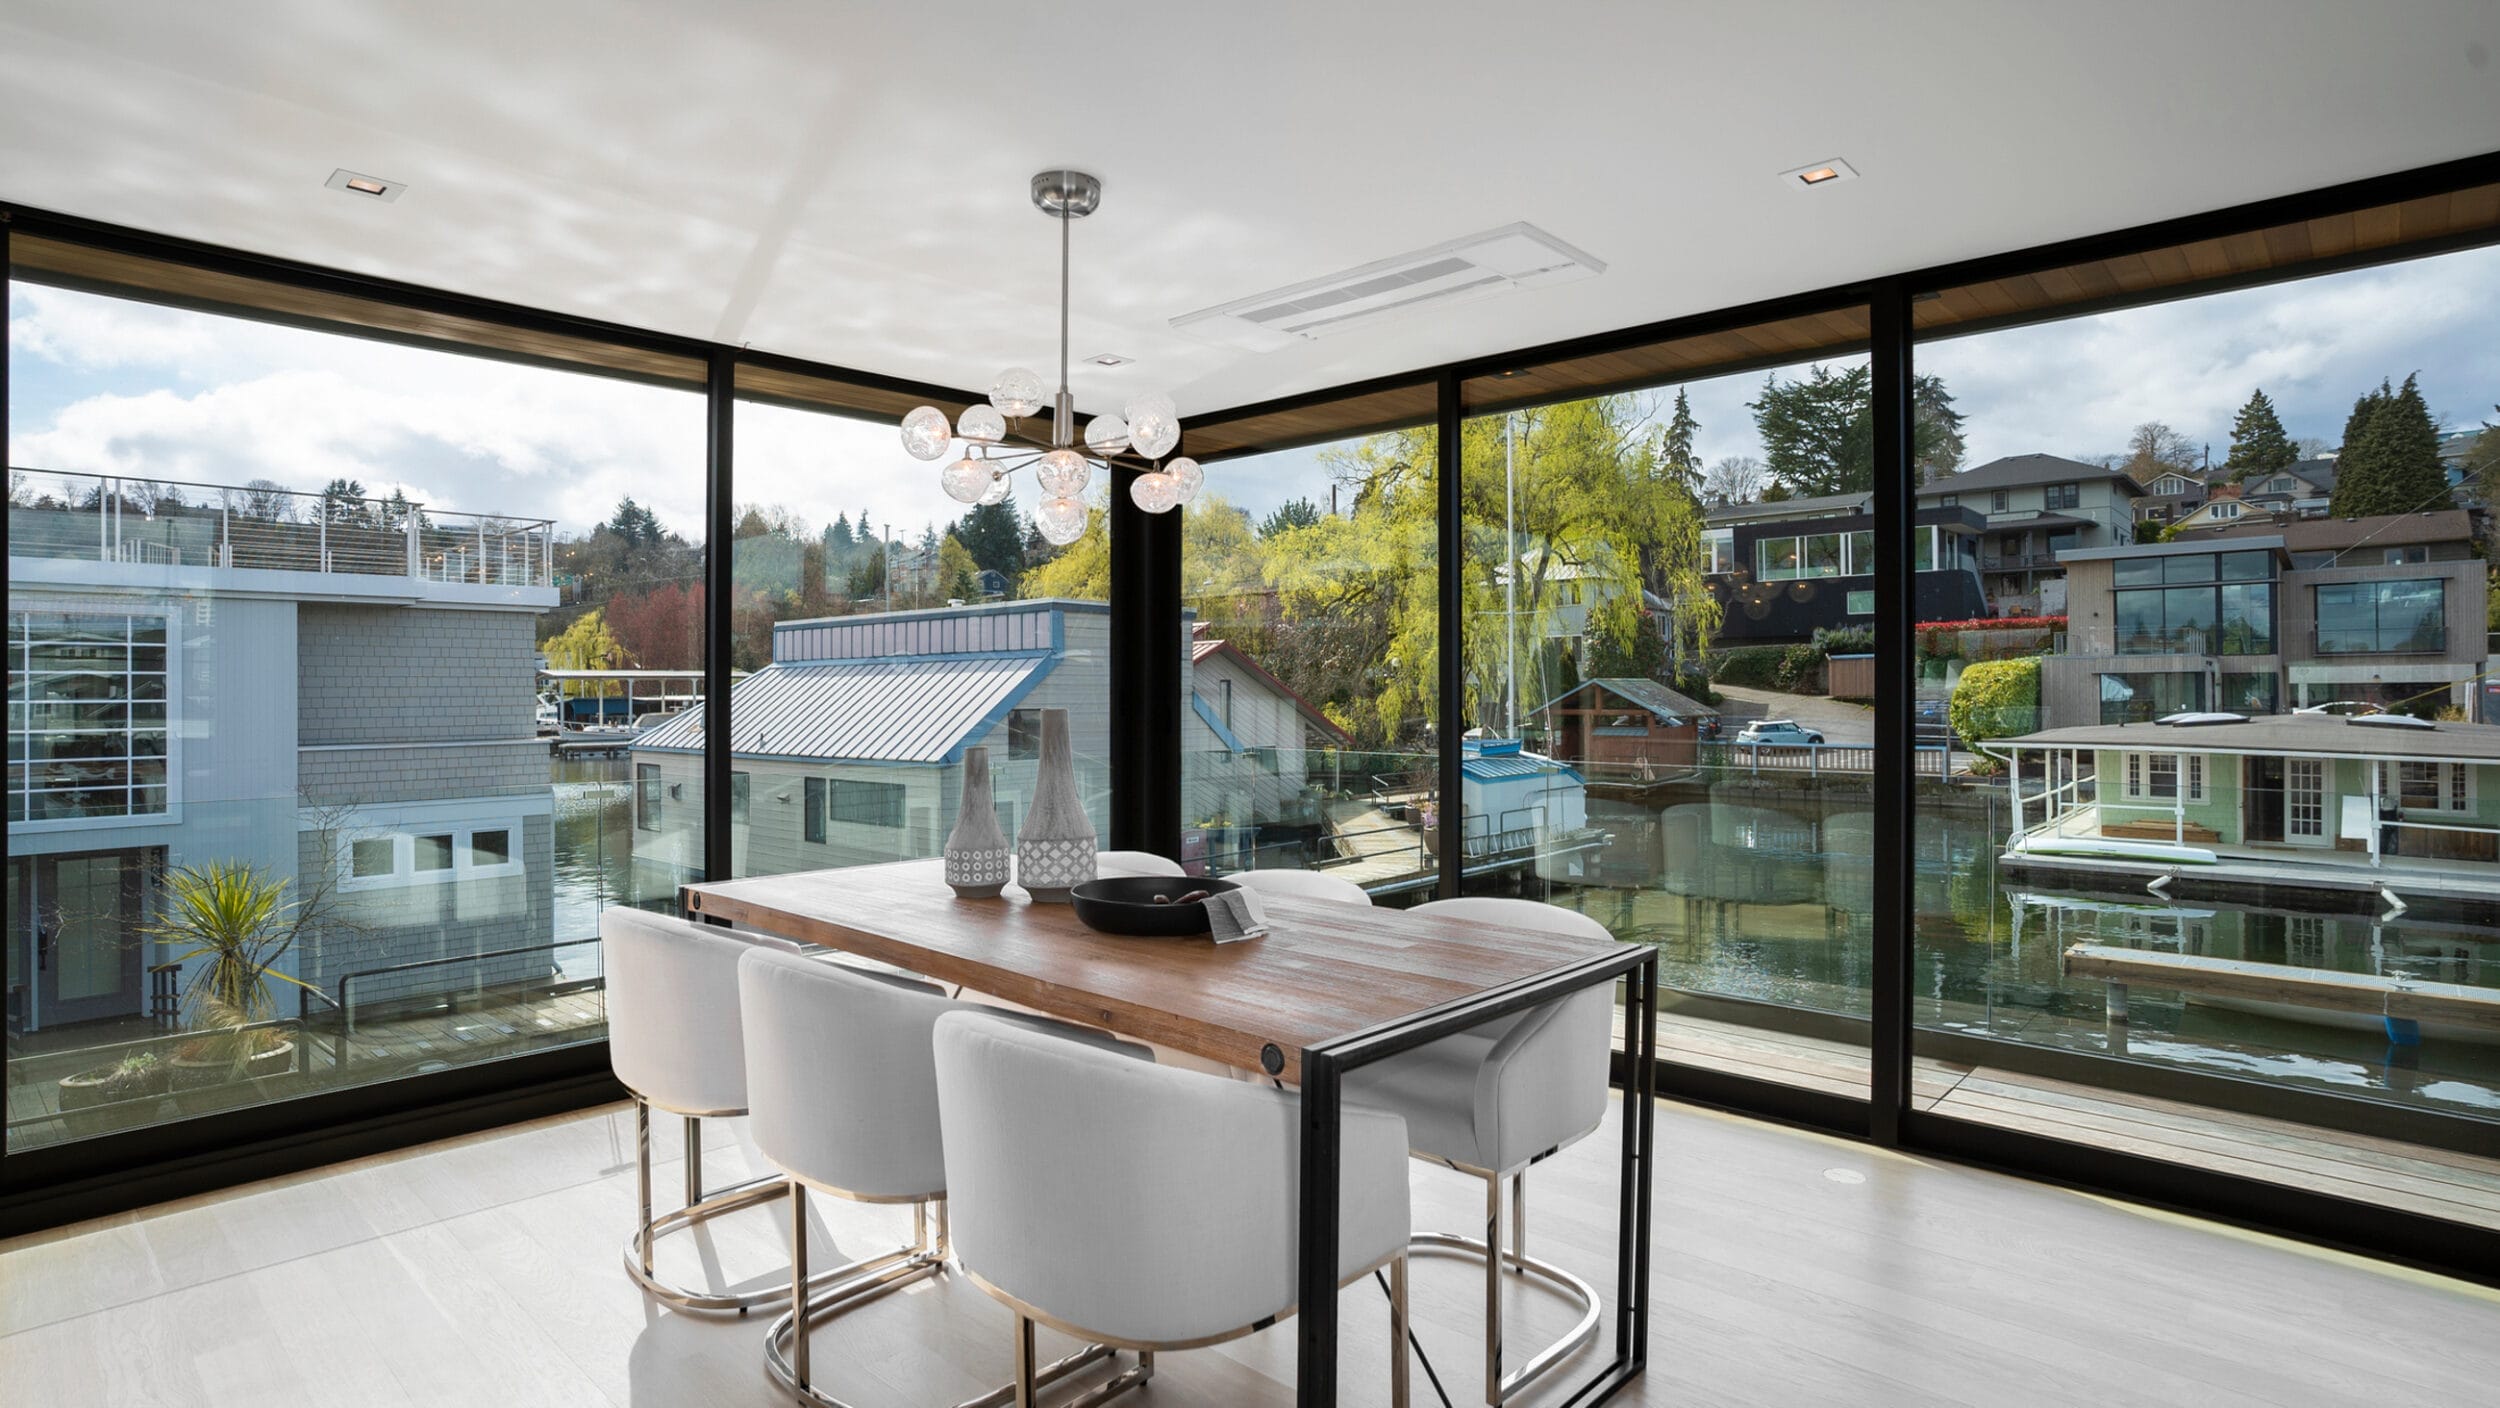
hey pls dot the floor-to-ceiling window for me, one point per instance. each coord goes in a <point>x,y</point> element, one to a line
<point>325,653</point>
<point>882,629</point>
<point>1307,737</point>
<point>2213,884</point>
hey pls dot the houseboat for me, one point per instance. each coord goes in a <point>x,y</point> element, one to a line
<point>2382,811</point>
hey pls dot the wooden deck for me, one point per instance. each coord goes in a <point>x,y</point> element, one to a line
<point>2436,1182</point>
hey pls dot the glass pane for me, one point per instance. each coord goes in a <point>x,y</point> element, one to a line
<point>1605,770</point>
<point>2195,941</point>
<point>883,629</point>
<point>328,749</point>
<point>1312,685</point>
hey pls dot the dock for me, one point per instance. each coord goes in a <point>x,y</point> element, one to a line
<point>2454,1006</point>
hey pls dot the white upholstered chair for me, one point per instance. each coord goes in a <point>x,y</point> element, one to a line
<point>1135,863</point>
<point>1301,884</point>
<point>1141,1206</point>
<point>1495,1099</point>
<point>674,1040</point>
<point>842,1095</point>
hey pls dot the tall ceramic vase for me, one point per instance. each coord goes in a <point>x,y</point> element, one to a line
<point>976,851</point>
<point>1055,848</point>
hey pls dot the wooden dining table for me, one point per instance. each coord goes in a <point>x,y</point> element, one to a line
<point>1329,988</point>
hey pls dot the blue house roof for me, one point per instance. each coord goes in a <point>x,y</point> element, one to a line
<point>1501,760</point>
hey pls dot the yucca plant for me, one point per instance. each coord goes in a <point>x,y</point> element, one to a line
<point>241,922</point>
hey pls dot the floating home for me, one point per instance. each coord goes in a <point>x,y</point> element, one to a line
<point>2382,808</point>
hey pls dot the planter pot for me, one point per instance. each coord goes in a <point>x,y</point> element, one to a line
<point>202,1084</point>
<point>104,1099</point>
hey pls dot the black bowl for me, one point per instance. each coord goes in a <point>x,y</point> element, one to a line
<point>1125,904</point>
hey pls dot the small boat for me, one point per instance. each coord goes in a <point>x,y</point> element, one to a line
<point>2105,848</point>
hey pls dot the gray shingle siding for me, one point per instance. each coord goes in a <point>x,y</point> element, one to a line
<point>374,674</point>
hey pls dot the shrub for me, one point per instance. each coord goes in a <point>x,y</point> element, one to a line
<point>1844,640</point>
<point>1798,669</point>
<point>1996,699</point>
<point>1748,667</point>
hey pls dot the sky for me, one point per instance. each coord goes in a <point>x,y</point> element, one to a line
<point>101,385</point>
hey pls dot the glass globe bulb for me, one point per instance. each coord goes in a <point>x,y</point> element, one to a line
<point>1063,474</point>
<point>996,493</point>
<point>1154,492</point>
<point>1187,477</point>
<point>1017,393</point>
<point>1154,427</point>
<point>925,434</point>
<point>1062,520</point>
<point>966,480</point>
<point>982,425</point>
<point>1106,435</point>
<point>1151,403</point>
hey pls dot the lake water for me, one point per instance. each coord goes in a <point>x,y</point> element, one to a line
<point>1766,895</point>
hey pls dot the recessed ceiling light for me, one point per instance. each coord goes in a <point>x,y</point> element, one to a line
<point>357,183</point>
<point>1821,173</point>
<point>1110,359</point>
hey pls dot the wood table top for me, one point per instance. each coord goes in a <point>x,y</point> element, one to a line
<point>1323,971</point>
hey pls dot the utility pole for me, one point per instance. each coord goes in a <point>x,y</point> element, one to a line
<point>1510,571</point>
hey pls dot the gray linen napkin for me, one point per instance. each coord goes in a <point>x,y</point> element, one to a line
<point>1233,915</point>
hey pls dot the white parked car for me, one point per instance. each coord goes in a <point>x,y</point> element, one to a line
<point>1778,732</point>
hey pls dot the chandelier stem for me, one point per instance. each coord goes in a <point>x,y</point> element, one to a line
<point>1063,420</point>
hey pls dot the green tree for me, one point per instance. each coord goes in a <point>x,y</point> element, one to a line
<point>587,644</point>
<point>956,569</point>
<point>636,525</point>
<point>1995,699</point>
<point>1818,432</point>
<point>1291,514</point>
<point>2258,444</point>
<point>1675,447</point>
<point>994,537</point>
<point>2390,461</point>
<point>343,504</point>
<point>838,534</point>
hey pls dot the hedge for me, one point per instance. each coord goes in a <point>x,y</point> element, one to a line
<point>1996,699</point>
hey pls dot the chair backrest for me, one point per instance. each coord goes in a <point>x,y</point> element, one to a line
<point>1301,884</point>
<point>1144,1203</point>
<point>673,1032</point>
<point>1135,863</point>
<point>840,1089</point>
<point>1545,1081</point>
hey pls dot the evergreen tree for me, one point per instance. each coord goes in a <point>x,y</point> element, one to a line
<point>838,537</point>
<point>2258,444</point>
<point>2390,461</point>
<point>1818,433</point>
<point>1291,514</point>
<point>994,536</point>
<point>342,503</point>
<point>1675,448</point>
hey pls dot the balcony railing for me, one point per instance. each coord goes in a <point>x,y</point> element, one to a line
<point>178,523</point>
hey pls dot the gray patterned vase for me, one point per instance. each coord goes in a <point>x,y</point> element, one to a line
<point>1055,847</point>
<point>976,852</point>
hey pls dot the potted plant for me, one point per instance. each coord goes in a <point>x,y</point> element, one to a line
<point>138,1075</point>
<point>236,923</point>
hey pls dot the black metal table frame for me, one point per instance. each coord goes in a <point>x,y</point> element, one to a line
<point>1323,1072</point>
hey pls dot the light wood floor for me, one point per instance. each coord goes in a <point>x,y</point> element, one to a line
<point>1789,1269</point>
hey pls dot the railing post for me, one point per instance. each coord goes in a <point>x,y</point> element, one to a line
<point>409,530</point>
<point>103,532</point>
<point>481,552</point>
<point>325,535</point>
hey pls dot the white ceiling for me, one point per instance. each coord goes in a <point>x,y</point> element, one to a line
<point>847,182</point>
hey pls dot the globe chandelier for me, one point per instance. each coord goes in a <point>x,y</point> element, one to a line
<point>996,444</point>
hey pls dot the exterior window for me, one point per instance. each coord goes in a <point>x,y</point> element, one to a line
<point>1821,555</point>
<point>866,803</point>
<point>1024,734</point>
<point>88,728</point>
<point>2226,511</point>
<point>2063,496</point>
<point>2248,619</point>
<point>1718,549</point>
<point>1861,555</point>
<point>2428,787</point>
<point>489,848</point>
<point>433,853</point>
<point>1952,501</point>
<point>1861,603</point>
<point>2136,699</point>
<point>812,814</point>
<point>2154,777</point>
<point>2249,693</point>
<point>2245,566</point>
<point>373,858</point>
<point>1996,502</point>
<point>2408,554</point>
<point>1227,692</point>
<point>1775,559</point>
<point>1925,561</point>
<point>738,798</point>
<point>2387,618</point>
<point>647,796</point>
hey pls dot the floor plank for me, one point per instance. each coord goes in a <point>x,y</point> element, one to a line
<point>486,1270</point>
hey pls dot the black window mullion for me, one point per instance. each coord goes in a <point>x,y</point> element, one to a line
<point>1896,680</point>
<point>720,420</point>
<point>1451,708</point>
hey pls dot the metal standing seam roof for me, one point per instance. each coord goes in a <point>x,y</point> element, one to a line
<point>882,711</point>
<point>1648,694</point>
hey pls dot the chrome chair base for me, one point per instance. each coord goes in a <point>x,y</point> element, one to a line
<point>699,1208</point>
<point>1500,1388</point>
<point>848,1287</point>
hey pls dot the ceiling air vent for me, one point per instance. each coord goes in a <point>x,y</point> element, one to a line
<point>1461,271</point>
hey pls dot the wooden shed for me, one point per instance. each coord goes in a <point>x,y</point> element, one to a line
<point>1631,723</point>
